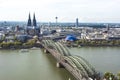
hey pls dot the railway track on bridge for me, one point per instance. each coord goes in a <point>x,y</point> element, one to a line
<point>76,65</point>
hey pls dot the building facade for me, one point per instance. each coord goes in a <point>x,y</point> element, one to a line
<point>32,28</point>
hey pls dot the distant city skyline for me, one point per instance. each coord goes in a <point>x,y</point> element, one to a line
<point>65,10</point>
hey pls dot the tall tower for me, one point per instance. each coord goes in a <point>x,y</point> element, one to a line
<point>34,20</point>
<point>29,21</point>
<point>77,23</point>
<point>56,18</point>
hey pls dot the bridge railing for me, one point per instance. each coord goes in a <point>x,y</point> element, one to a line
<point>80,70</point>
<point>73,70</point>
<point>55,54</point>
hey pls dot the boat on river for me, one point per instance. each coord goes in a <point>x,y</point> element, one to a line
<point>34,48</point>
<point>24,50</point>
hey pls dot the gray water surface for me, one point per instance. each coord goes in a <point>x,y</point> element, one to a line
<point>32,65</point>
<point>104,59</point>
<point>36,65</point>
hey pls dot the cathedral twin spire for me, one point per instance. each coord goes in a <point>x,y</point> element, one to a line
<point>29,21</point>
<point>34,20</point>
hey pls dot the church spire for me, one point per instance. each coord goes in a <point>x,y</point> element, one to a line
<point>29,21</point>
<point>34,20</point>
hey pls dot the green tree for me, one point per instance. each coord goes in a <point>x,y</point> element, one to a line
<point>118,76</point>
<point>109,76</point>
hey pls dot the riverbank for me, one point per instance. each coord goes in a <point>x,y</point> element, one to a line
<point>19,45</point>
<point>78,43</point>
<point>93,43</point>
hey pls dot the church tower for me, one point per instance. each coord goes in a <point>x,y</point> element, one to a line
<point>32,28</point>
<point>34,20</point>
<point>29,21</point>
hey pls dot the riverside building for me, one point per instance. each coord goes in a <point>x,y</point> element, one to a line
<point>32,28</point>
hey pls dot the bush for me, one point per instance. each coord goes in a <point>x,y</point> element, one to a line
<point>85,42</point>
<point>10,44</point>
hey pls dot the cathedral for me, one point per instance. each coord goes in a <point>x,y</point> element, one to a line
<point>32,28</point>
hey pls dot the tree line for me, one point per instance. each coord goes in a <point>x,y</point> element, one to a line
<point>84,42</point>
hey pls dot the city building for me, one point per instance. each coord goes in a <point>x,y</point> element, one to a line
<point>32,28</point>
<point>77,23</point>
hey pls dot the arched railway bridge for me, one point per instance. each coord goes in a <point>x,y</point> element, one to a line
<point>76,65</point>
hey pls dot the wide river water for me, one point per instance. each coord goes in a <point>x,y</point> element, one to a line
<point>36,65</point>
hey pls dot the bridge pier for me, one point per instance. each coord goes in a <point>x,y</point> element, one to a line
<point>46,51</point>
<point>59,65</point>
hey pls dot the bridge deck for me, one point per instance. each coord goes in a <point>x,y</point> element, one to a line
<point>73,70</point>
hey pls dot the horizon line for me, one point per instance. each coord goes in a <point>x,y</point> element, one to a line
<point>59,22</point>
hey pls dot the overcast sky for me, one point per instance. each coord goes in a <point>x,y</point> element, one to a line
<point>65,10</point>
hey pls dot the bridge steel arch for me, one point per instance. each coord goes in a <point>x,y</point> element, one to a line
<point>76,65</point>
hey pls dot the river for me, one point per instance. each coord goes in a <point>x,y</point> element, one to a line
<point>35,65</point>
<point>104,59</point>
